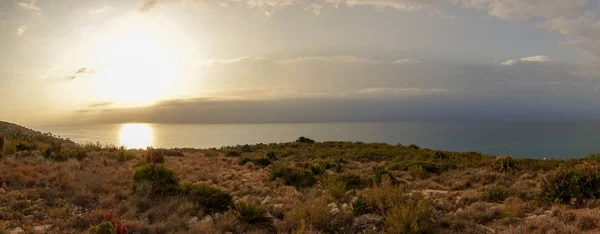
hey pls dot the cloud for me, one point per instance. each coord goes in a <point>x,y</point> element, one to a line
<point>537,58</point>
<point>268,7</point>
<point>101,10</point>
<point>101,104</point>
<point>341,59</point>
<point>31,5</point>
<point>148,6</point>
<point>526,9</point>
<point>314,8</point>
<point>431,7</point>
<point>85,70</point>
<point>81,72</point>
<point>576,20</point>
<point>328,59</point>
<point>406,61</point>
<point>401,91</point>
<point>21,30</point>
<point>233,60</point>
<point>509,62</point>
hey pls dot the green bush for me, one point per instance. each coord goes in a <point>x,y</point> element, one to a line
<point>156,180</point>
<point>352,181</point>
<point>246,148</point>
<point>540,165</point>
<point>233,154</point>
<point>173,152</point>
<point>271,155</point>
<point>305,140</point>
<point>414,147</point>
<point>25,146</point>
<point>572,183</point>
<point>498,194</point>
<point>595,157</point>
<point>210,199</point>
<point>103,228</point>
<point>254,214</point>
<point>262,161</point>
<point>317,168</point>
<point>430,167</point>
<point>293,176</point>
<point>2,140</point>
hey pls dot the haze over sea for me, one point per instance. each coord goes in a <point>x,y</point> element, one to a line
<point>519,139</point>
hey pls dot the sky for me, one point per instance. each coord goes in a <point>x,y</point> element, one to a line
<point>251,61</point>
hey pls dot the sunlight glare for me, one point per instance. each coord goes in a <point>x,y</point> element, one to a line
<point>140,63</point>
<point>136,136</point>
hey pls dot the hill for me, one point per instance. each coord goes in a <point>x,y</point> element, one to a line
<point>295,187</point>
<point>19,133</point>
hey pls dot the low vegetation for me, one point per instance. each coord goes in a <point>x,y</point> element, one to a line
<point>52,185</point>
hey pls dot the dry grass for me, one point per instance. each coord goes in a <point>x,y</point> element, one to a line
<point>467,197</point>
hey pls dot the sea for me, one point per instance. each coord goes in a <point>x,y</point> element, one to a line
<point>558,140</point>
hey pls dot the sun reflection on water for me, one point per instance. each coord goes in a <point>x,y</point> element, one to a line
<point>136,136</point>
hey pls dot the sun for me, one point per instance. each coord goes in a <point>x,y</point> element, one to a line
<point>139,63</point>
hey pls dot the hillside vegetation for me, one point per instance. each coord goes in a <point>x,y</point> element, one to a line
<point>51,185</point>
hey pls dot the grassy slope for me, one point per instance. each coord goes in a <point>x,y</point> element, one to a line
<point>331,187</point>
<point>19,133</point>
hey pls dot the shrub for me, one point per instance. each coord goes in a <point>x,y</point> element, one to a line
<point>154,156</point>
<point>210,199</point>
<point>430,167</point>
<point>103,228</point>
<point>378,173</point>
<point>497,194</point>
<point>514,207</point>
<point>413,146</point>
<point>262,161</point>
<point>384,196</point>
<point>305,140</point>
<point>271,155</point>
<point>417,171</point>
<point>173,153</point>
<point>351,181</point>
<point>440,155</point>
<point>362,206</point>
<point>317,168</point>
<point>123,155</point>
<point>233,154</point>
<point>246,148</point>
<point>157,179</point>
<point>595,157</point>
<point>570,184</point>
<point>537,164</point>
<point>119,227</point>
<point>409,216</point>
<point>504,164</point>
<point>314,212</point>
<point>25,146</point>
<point>2,140</point>
<point>254,214</point>
<point>293,176</point>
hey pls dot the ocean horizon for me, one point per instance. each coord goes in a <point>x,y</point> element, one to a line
<point>558,140</point>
